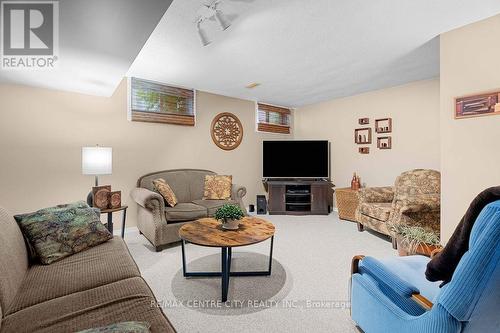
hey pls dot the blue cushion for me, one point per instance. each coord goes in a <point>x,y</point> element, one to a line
<point>412,270</point>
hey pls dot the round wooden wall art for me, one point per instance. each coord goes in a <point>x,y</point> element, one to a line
<point>227,131</point>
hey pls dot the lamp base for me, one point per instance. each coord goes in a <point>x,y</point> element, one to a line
<point>90,199</point>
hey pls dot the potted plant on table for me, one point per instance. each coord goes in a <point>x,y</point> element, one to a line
<point>413,240</point>
<point>230,216</point>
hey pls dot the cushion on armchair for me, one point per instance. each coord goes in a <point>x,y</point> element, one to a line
<point>376,210</point>
<point>376,194</point>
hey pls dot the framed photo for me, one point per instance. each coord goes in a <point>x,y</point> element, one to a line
<point>477,105</point>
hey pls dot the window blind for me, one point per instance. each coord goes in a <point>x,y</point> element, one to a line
<point>159,103</point>
<point>273,119</point>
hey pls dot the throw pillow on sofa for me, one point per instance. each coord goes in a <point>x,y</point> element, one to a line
<point>166,192</point>
<point>217,187</point>
<point>33,257</point>
<point>128,327</point>
<point>60,231</point>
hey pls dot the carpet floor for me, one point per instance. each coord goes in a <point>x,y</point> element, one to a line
<point>307,291</point>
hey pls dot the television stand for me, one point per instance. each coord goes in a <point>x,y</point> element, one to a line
<point>299,197</point>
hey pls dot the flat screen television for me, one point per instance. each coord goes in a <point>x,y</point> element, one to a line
<point>296,159</point>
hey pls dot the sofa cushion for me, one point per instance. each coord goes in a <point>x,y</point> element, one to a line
<point>166,192</point>
<point>13,259</point>
<point>97,266</point>
<point>125,300</point>
<point>59,232</point>
<point>213,205</point>
<point>126,326</point>
<point>217,187</point>
<point>185,211</point>
<point>379,211</point>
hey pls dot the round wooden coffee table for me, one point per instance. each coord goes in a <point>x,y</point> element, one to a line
<point>209,232</point>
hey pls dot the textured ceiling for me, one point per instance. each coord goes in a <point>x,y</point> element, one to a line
<point>98,41</point>
<point>304,51</point>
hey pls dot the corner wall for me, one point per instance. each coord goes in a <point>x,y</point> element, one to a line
<point>42,132</point>
<point>414,109</point>
<point>470,152</point>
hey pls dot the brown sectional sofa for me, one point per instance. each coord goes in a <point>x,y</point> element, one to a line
<point>93,288</point>
<point>160,224</point>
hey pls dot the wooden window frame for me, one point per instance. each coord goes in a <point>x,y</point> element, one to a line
<point>267,126</point>
<point>160,117</point>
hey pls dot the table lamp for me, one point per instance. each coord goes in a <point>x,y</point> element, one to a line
<point>96,161</point>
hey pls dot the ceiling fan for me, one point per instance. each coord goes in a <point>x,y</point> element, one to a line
<point>210,10</point>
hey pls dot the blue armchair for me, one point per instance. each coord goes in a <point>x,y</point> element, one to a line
<point>392,295</point>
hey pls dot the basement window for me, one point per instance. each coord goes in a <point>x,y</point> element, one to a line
<point>159,103</point>
<point>273,119</point>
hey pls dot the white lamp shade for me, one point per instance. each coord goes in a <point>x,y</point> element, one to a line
<point>97,160</point>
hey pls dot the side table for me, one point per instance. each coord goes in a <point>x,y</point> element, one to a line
<point>347,203</point>
<point>110,212</point>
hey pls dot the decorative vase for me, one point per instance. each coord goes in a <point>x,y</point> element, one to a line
<point>230,224</point>
<point>403,250</point>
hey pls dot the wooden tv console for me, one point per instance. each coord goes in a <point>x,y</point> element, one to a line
<point>299,197</point>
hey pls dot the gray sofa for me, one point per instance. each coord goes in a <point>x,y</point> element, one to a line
<point>160,223</point>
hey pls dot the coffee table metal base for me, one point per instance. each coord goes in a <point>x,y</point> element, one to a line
<point>226,256</point>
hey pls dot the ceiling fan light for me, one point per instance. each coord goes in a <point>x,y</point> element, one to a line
<point>222,20</point>
<point>203,36</point>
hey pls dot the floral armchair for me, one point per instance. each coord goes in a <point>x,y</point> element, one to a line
<point>413,200</point>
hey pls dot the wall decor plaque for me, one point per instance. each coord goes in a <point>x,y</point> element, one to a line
<point>477,105</point>
<point>101,196</point>
<point>384,142</point>
<point>115,199</point>
<point>364,150</point>
<point>383,125</point>
<point>227,131</point>
<point>363,136</point>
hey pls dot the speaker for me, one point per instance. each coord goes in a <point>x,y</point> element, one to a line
<point>261,204</point>
<point>251,208</point>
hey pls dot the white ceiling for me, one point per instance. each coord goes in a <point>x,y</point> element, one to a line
<point>305,51</point>
<point>98,41</point>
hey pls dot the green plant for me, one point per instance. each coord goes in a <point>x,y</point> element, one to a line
<point>411,237</point>
<point>229,212</point>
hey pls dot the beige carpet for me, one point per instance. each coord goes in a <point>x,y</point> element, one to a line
<point>307,291</point>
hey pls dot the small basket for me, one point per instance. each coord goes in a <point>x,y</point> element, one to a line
<point>347,203</point>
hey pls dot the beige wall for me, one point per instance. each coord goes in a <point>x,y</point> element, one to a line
<point>414,109</point>
<point>470,153</point>
<point>42,132</point>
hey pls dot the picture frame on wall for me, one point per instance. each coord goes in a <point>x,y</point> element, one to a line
<point>363,136</point>
<point>384,142</point>
<point>478,105</point>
